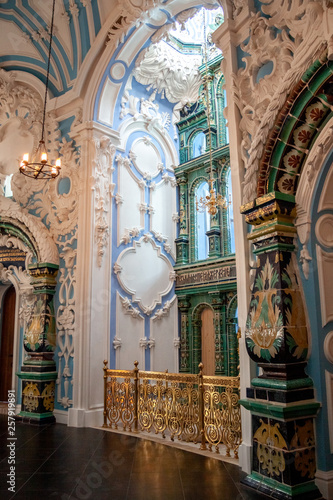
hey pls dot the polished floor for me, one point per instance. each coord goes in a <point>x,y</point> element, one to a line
<point>60,462</point>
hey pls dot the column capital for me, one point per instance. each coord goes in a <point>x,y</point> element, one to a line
<point>44,277</point>
<point>272,217</point>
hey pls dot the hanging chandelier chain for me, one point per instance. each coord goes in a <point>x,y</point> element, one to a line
<point>214,200</point>
<point>206,80</point>
<point>48,69</point>
<point>42,168</point>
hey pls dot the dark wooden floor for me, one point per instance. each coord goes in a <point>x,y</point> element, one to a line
<point>63,462</point>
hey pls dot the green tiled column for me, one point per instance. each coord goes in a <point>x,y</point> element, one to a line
<point>38,373</point>
<point>182,242</point>
<point>281,399</point>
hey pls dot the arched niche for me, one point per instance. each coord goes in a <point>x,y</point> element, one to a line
<point>103,77</point>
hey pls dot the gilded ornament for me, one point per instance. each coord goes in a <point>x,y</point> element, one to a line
<point>48,396</point>
<point>270,445</point>
<point>187,407</point>
<point>30,397</point>
<point>304,442</point>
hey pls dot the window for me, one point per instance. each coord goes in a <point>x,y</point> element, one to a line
<point>199,145</point>
<point>231,231</point>
<point>7,186</point>
<point>202,224</point>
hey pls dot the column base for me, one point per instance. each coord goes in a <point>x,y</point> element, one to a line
<point>274,489</point>
<point>38,389</point>
<point>33,419</point>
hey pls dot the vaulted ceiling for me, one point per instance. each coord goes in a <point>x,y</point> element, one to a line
<point>24,28</point>
<point>82,30</point>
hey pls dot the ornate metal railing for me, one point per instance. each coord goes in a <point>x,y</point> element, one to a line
<point>192,408</point>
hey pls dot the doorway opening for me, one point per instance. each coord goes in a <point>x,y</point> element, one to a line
<point>7,342</point>
<point>208,341</point>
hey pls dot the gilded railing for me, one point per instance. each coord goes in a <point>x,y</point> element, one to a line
<point>192,408</point>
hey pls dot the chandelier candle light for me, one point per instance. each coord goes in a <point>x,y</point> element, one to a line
<point>214,200</point>
<point>39,167</point>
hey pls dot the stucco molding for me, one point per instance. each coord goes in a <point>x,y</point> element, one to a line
<point>103,188</point>
<point>46,248</point>
<point>291,39</point>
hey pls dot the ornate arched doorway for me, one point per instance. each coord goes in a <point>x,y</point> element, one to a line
<point>208,341</point>
<point>29,265</point>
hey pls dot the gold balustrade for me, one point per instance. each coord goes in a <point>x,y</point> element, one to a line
<point>193,408</point>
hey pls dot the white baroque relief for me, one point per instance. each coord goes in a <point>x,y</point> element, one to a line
<point>20,117</point>
<point>13,242</point>
<point>13,212</point>
<point>134,13</point>
<point>147,109</point>
<point>129,330</point>
<point>164,229</point>
<point>292,38</point>
<point>237,7</point>
<point>133,311</point>
<point>53,203</point>
<point>144,273</point>
<point>170,74</point>
<point>103,192</point>
<point>130,200</point>
<point>145,157</point>
<point>60,210</point>
<point>65,319</point>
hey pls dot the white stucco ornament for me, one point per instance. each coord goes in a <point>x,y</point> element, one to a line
<point>144,273</point>
<point>13,212</point>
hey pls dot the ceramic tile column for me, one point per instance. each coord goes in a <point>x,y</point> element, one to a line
<point>182,242</point>
<point>38,372</point>
<point>217,304</point>
<point>184,305</point>
<point>214,233</point>
<point>281,398</point>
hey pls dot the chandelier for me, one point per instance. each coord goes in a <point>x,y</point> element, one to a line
<point>39,166</point>
<point>214,200</point>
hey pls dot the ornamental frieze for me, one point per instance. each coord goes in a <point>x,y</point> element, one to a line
<point>223,273</point>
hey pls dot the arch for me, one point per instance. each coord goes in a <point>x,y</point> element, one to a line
<point>298,142</point>
<point>29,229</point>
<point>193,215</point>
<point>127,36</point>
<point>20,279</point>
<point>192,140</point>
<point>297,126</point>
